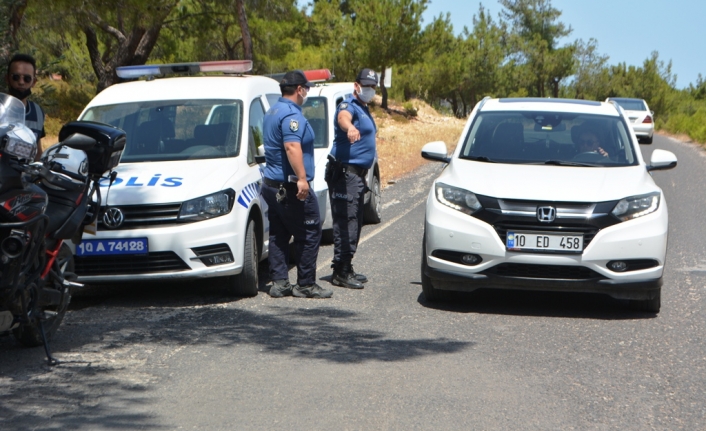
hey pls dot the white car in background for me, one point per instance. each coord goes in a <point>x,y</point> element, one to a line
<point>319,109</point>
<point>519,206</point>
<point>640,116</point>
<point>186,201</point>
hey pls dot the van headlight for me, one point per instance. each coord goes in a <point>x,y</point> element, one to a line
<point>636,206</point>
<point>207,207</point>
<point>456,198</point>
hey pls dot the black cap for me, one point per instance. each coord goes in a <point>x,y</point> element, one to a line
<point>295,77</point>
<point>367,77</point>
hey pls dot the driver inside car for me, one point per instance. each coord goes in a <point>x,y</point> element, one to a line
<point>589,143</point>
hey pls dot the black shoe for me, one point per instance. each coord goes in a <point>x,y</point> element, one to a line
<point>344,276</point>
<point>311,291</point>
<point>360,277</point>
<point>280,288</point>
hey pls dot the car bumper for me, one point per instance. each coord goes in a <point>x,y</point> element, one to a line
<point>643,130</point>
<point>644,238</point>
<point>179,241</point>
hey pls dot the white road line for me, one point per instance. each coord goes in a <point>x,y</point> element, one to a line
<point>378,230</point>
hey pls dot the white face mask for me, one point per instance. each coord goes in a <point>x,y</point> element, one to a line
<point>366,94</point>
<point>305,97</point>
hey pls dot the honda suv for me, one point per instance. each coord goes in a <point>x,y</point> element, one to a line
<point>546,194</point>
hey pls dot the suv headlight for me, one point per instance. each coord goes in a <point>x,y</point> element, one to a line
<point>207,207</point>
<point>636,206</point>
<point>456,198</point>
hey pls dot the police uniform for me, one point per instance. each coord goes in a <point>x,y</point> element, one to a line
<point>345,175</point>
<point>288,216</point>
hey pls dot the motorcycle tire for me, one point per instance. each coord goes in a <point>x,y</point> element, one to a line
<point>30,335</point>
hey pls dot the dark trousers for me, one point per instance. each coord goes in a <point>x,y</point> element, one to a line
<point>347,194</point>
<point>297,219</point>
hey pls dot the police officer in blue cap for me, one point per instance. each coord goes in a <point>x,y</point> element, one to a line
<point>353,153</point>
<point>293,207</point>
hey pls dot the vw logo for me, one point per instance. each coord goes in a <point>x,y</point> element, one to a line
<point>546,214</point>
<point>113,218</point>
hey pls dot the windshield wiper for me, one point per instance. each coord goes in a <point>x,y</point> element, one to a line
<point>568,163</point>
<point>479,159</point>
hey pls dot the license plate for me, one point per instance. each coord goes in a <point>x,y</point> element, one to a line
<point>543,241</point>
<point>101,247</point>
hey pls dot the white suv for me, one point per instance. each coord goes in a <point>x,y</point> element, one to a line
<point>522,205</point>
<point>186,201</point>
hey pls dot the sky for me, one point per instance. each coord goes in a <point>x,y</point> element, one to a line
<point>627,31</point>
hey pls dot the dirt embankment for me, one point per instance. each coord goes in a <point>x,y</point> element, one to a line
<point>401,136</point>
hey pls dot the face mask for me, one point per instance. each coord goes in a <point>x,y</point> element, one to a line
<point>20,94</point>
<point>366,94</point>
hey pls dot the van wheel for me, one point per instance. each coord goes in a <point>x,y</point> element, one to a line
<point>246,283</point>
<point>373,209</point>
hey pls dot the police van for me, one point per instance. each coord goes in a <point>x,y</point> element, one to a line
<point>186,201</point>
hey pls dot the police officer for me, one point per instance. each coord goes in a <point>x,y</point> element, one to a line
<point>293,207</point>
<point>21,77</point>
<point>353,153</point>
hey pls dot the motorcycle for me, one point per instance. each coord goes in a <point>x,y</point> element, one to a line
<point>43,204</point>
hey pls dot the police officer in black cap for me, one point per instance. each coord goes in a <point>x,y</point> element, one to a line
<point>293,210</point>
<point>353,153</point>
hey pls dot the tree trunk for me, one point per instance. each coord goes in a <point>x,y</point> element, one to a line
<point>8,44</point>
<point>244,30</point>
<point>383,90</point>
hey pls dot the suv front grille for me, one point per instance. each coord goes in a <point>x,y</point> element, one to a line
<point>155,262</point>
<point>144,216</point>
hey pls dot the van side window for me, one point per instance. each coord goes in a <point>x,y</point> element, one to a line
<point>257,114</point>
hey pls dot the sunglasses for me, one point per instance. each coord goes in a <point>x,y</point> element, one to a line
<point>27,78</point>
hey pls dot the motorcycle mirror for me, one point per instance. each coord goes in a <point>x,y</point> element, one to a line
<point>78,141</point>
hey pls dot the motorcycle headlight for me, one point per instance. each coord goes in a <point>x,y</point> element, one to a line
<point>458,199</point>
<point>20,142</point>
<point>207,207</point>
<point>636,206</point>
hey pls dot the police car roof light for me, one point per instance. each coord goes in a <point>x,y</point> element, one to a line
<point>315,75</point>
<point>233,66</point>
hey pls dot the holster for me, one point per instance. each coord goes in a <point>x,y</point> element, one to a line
<point>333,170</point>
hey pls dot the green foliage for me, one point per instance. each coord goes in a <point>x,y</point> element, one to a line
<point>410,109</point>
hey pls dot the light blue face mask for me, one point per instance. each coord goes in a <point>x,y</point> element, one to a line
<point>366,94</point>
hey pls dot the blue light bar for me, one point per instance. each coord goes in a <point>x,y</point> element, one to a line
<point>233,66</point>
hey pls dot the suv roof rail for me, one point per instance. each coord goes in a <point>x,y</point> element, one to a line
<point>152,70</point>
<point>313,75</point>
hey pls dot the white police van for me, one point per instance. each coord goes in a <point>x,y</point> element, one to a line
<point>186,202</point>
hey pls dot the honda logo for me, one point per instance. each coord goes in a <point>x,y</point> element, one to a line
<point>113,218</point>
<point>546,214</point>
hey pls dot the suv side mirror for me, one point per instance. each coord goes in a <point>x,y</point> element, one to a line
<point>436,151</point>
<point>661,160</point>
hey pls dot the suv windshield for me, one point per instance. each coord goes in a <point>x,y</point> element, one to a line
<point>549,138</point>
<point>174,130</point>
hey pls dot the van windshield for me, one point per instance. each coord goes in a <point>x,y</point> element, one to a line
<point>174,130</point>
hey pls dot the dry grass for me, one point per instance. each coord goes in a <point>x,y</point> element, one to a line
<point>400,138</point>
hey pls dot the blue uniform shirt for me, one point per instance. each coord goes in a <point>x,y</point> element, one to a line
<point>362,152</point>
<point>284,122</point>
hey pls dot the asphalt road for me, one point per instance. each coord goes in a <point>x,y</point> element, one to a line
<point>190,356</point>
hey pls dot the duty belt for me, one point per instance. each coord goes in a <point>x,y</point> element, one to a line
<point>355,170</point>
<point>277,184</point>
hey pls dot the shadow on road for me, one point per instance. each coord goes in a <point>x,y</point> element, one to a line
<point>532,303</point>
<point>110,353</point>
